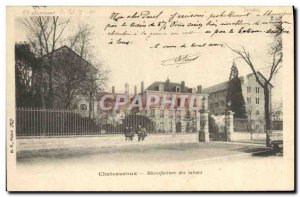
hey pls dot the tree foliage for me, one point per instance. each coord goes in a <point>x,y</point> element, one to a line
<point>61,76</point>
<point>235,96</point>
<point>25,63</point>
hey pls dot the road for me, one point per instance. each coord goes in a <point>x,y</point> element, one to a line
<point>80,165</point>
<point>142,152</point>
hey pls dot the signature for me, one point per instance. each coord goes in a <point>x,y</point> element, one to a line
<point>181,59</point>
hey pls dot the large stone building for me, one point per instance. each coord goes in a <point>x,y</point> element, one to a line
<point>253,96</point>
<point>166,120</point>
<point>174,120</point>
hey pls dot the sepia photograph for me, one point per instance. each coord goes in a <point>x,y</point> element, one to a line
<point>150,98</point>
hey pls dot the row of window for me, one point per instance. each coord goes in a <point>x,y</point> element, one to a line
<point>223,93</point>
<point>178,114</point>
<point>219,94</point>
<point>249,100</point>
<point>256,90</point>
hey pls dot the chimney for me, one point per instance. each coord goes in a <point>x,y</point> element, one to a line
<point>168,87</point>
<point>113,89</point>
<point>126,88</point>
<point>142,87</point>
<point>182,86</point>
<point>199,89</point>
<point>135,90</point>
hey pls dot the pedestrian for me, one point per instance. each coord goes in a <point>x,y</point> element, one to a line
<point>127,133</point>
<point>131,134</point>
<point>139,132</point>
<point>144,133</point>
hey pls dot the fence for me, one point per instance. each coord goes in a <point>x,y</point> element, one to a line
<point>240,124</point>
<point>60,122</point>
<point>54,122</point>
<point>277,125</point>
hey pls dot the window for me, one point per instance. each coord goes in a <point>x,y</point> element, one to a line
<point>249,100</point>
<point>195,103</point>
<point>195,114</point>
<point>170,114</point>
<point>178,114</point>
<point>152,113</point>
<point>257,112</point>
<point>257,90</point>
<point>161,113</point>
<point>162,126</point>
<point>257,101</point>
<point>177,89</point>
<point>178,102</point>
<point>257,127</point>
<point>249,89</point>
<point>83,107</point>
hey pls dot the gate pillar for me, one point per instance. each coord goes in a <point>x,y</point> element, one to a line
<point>229,124</point>
<point>204,134</point>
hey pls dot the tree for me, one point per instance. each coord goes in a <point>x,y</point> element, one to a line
<point>44,32</point>
<point>97,76</point>
<point>277,111</point>
<point>95,82</point>
<point>71,72</point>
<point>80,42</point>
<point>250,121</point>
<point>276,56</point>
<point>25,62</point>
<point>235,95</point>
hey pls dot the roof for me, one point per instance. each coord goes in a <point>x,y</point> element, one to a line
<point>69,50</point>
<point>216,88</point>
<point>168,86</point>
<point>224,85</point>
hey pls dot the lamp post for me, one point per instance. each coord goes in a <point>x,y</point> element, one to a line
<point>229,105</point>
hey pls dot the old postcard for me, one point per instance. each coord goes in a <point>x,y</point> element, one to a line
<point>150,98</point>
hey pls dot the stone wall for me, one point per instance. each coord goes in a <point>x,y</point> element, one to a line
<point>245,136</point>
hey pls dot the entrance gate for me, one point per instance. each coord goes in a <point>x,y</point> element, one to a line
<point>217,128</point>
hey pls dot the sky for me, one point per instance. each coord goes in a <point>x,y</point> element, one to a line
<point>138,62</point>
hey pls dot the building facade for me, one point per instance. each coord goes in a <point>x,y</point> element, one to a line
<point>177,119</point>
<point>253,95</point>
<point>166,119</point>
